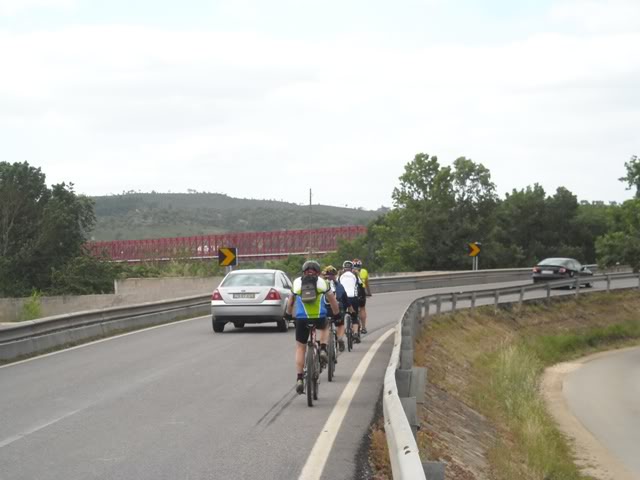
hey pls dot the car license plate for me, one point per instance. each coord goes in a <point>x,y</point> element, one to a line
<point>244,295</point>
<point>547,272</point>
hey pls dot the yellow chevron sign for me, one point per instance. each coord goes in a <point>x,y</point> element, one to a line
<point>227,256</point>
<point>474,249</point>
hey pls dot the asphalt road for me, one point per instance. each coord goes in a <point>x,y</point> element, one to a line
<point>604,395</point>
<point>179,402</point>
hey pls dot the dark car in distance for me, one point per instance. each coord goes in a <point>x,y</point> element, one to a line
<point>561,269</point>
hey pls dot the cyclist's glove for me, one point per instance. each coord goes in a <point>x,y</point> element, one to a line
<point>288,316</point>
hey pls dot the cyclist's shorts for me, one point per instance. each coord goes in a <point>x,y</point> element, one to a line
<point>355,304</point>
<point>302,331</point>
<point>339,323</point>
<point>362,301</point>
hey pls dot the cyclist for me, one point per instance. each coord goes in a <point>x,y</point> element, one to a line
<point>308,304</point>
<point>350,282</point>
<point>330,273</point>
<point>363,293</point>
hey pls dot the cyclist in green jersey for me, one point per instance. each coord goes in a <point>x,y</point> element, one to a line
<point>308,304</point>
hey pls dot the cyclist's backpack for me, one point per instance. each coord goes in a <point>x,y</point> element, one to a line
<point>309,289</point>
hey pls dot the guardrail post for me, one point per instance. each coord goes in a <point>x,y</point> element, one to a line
<point>433,470</point>
<point>639,280</point>
<point>548,294</point>
<point>425,307</point>
<point>473,300</point>
<point>496,299</point>
<point>521,297</point>
<point>454,301</point>
<point>438,304</point>
<point>411,411</point>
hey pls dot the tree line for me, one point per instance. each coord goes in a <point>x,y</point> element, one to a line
<point>437,211</point>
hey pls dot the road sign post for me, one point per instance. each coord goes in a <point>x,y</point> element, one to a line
<point>474,251</point>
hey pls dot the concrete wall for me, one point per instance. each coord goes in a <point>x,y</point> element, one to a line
<point>128,292</point>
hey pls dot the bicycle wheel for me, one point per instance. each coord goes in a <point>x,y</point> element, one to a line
<point>316,373</point>
<point>331,355</point>
<point>349,332</point>
<point>309,374</point>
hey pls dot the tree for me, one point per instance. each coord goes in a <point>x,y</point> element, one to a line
<point>41,228</point>
<point>622,246</point>
<point>632,178</point>
<point>440,210</point>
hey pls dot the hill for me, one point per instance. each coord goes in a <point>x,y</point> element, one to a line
<point>157,215</point>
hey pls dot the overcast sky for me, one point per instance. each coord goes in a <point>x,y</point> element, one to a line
<point>268,99</point>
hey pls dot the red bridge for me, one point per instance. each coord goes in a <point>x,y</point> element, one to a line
<point>250,245</point>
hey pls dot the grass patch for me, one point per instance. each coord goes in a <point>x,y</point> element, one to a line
<point>492,362</point>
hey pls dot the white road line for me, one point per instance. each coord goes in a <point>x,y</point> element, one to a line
<point>99,341</point>
<point>10,440</point>
<point>312,470</point>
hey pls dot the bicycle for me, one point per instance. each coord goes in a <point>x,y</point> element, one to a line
<point>312,366</point>
<point>348,330</point>
<point>332,351</point>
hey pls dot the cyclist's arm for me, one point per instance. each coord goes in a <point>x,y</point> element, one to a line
<point>333,302</point>
<point>289,308</point>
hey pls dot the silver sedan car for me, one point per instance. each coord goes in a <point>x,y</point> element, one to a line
<point>251,296</point>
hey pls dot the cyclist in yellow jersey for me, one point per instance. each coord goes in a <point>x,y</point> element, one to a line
<point>362,299</point>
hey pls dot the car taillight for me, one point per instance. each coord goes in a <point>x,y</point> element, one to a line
<point>563,270</point>
<point>273,295</point>
<point>216,295</point>
<point>536,270</point>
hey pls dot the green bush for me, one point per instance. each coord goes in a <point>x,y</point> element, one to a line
<point>31,309</point>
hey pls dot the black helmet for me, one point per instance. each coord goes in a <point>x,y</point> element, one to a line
<point>347,264</point>
<point>311,264</point>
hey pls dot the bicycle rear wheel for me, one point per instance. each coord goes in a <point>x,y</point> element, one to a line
<point>309,376</point>
<point>349,332</point>
<point>331,354</point>
<point>316,374</point>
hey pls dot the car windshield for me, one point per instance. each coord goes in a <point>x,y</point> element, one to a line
<point>554,261</point>
<point>249,280</point>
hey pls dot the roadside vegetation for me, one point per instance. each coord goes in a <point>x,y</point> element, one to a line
<point>484,415</point>
<point>437,210</point>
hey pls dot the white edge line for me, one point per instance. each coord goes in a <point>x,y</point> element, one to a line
<point>317,459</point>
<point>99,341</point>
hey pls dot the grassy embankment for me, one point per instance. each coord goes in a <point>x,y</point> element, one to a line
<point>484,414</point>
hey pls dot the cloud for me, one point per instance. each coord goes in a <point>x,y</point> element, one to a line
<point>155,109</point>
<point>12,7</point>
<point>601,16</point>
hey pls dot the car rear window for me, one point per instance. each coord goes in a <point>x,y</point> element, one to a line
<point>249,280</point>
<point>553,261</point>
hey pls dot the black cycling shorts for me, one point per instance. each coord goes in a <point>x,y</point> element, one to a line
<point>362,301</point>
<point>302,330</point>
<point>355,304</point>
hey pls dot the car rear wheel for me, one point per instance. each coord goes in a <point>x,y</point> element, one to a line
<point>283,325</point>
<point>218,327</point>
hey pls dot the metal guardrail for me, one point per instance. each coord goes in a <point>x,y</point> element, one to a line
<point>44,334</point>
<point>37,336</point>
<point>404,384</point>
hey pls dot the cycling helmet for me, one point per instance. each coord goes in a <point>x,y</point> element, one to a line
<point>330,270</point>
<point>357,263</point>
<point>311,265</point>
<point>347,264</point>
